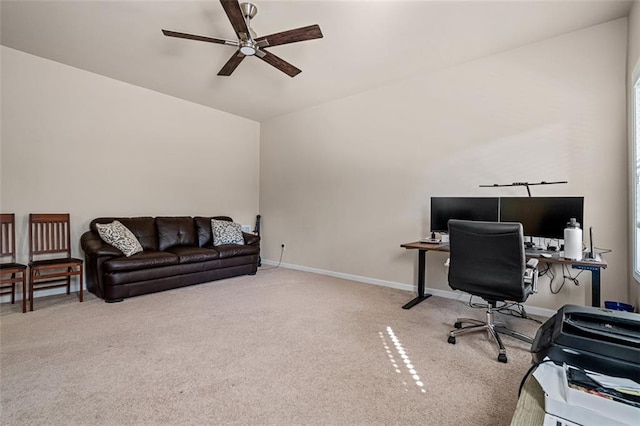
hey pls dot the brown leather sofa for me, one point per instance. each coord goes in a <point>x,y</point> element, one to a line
<point>177,251</point>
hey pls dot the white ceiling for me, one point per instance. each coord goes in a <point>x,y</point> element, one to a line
<point>366,44</point>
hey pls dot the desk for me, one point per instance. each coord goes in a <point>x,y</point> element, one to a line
<point>595,266</point>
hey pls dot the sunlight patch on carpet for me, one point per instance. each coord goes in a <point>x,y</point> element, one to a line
<point>402,360</point>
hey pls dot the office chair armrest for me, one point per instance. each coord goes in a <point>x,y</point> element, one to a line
<point>531,274</point>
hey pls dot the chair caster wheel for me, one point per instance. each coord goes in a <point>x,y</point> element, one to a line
<point>452,340</point>
<point>458,324</point>
<point>502,358</point>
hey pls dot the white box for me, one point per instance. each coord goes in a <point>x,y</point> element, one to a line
<point>580,407</point>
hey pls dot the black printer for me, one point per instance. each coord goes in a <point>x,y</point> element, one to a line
<point>591,338</point>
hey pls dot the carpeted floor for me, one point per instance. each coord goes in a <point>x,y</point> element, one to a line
<point>282,347</point>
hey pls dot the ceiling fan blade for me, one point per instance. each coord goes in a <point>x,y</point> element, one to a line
<point>291,36</point>
<point>232,9</point>
<point>199,38</point>
<point>231,64</point>
<point>279,63</point>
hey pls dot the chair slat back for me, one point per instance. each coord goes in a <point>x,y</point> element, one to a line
<point>49,233</point>
<point>8,236</point>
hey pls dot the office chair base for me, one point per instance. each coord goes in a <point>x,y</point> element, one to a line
<point>493,329</point>
<point>515,334</point>
<point>460,321</point>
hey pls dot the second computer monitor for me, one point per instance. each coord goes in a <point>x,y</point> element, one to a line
<point>545,217</point>
<point>465,208</point>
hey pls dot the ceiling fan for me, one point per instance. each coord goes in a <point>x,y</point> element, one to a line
<point>248,44</point>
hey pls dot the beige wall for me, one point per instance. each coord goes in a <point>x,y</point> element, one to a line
<point>342,184</point>
<point>633,70</point>
<point>345,183</point>
<point>77,142</point>
<point>634,38</point>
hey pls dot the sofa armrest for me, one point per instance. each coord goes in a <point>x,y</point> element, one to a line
<point>251,239</point>
<point>93,245</point>
<point>96,252</point>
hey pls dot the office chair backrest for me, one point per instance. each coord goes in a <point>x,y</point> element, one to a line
<point>8,236</point>
<point>49,233</point>
<point>487,259</point>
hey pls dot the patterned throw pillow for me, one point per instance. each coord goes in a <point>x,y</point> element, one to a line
<point>226,232</point>
<point>119,236</point>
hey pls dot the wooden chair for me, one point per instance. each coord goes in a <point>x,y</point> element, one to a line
<point>50,235</point>
<point>11,272</point>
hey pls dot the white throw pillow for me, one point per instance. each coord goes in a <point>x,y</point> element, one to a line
<point>119,236</point>
<point>226,232</point>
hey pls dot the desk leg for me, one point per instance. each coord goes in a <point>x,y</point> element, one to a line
<point>421,277</point>
<point>595,287</point>
<point>595,282</point>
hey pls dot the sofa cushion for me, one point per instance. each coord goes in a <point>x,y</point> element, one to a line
<point>176,231</point>
<point>226,232</point>
<point>203,228</point>
<point>143,260</point>
<point>144,228</point>
<point>178,273</point>
<point>188,254</point>
<point>231,250</point>
<point>119,236</point>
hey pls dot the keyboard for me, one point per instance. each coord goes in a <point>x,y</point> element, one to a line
<point>539,253</point>
<point>556,255</point>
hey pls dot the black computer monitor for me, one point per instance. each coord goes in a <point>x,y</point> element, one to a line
<point>545,217</point>
<point>464,208</point>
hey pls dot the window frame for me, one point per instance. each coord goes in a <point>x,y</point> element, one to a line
<point>635,172</point>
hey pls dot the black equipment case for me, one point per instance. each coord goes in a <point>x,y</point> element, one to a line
<point>591,338</point>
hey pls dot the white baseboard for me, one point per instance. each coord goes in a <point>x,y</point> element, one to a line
<point>456,295</point>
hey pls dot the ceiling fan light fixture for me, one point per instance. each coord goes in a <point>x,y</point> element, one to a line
<point>248,48</point>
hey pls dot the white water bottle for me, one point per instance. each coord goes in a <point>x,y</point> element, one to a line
<point>573,240</point>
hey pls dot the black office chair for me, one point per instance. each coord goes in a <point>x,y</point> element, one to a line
<point>487,260</point>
